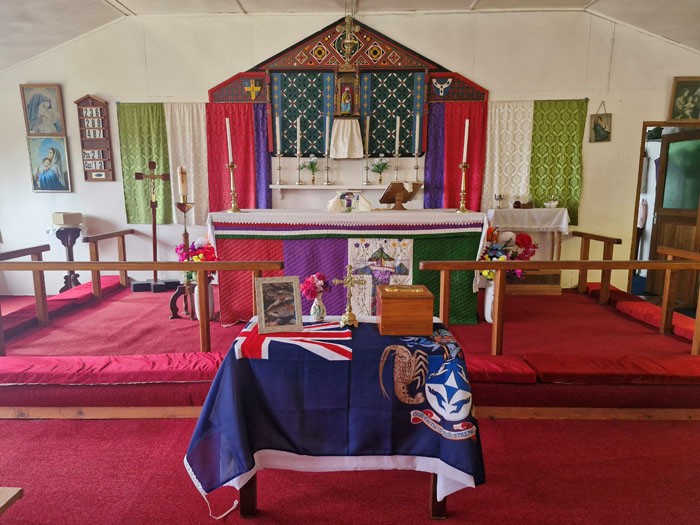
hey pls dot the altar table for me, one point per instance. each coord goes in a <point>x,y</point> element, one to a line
<point>328,399</point>
<point>384,246</point>
<point>552,220</point>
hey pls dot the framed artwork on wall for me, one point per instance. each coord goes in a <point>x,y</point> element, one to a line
<point>43,109</point>
<point>685,100</point>
<point>278,302</point>
<point>601,127</point>
<point>48,161</point>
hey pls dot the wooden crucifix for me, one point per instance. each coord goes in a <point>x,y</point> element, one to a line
<point>152,177</point>
<point>350,280</point>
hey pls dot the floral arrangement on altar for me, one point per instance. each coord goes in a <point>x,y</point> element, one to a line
<point>200,250</point>
<point>507,246</point>
<point>311,165</point>
<point>379,165</point>
<point>315,284</point>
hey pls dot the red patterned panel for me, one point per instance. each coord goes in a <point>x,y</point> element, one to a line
<point>236,288</point>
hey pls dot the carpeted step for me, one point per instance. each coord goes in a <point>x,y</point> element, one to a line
<point>499,369</point>
<point>683,326</point>
<point>616,295</point>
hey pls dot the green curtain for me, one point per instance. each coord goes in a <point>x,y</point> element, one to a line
<point>143,138</point>
<point>556,166</point>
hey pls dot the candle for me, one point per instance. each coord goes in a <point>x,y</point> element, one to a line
<point>328,125</point>
<point>417,134</point>
<point>228,141</point>
<point>182,176</point>
<point>398,128</point>
<point>278,130</point>
<point>298,135</point>
<point>466,140</point>
<point>367,135</point>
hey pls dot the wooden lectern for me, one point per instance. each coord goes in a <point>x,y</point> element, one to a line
<point>398,192</point>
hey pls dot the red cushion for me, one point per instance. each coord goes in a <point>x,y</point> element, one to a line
<point>99,370</point>
<point>683,326</point>
<point>499,369</point>
<point>602,369</point>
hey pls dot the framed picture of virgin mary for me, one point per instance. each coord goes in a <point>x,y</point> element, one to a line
<point>48,162</point>
<point>43,110</point>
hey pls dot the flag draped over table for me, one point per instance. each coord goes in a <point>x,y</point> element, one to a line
<point>143,138</point>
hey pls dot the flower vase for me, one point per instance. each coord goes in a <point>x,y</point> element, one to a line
<point>318,309</point>
<point>488,301</point>
<point>195,300</point>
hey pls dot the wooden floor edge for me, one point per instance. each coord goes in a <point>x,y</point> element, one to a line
<point>634,414</point>
<point>166,412</point>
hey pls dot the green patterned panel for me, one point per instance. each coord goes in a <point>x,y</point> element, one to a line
<point>392,95</point>
<point>556,167</point>
<point>143,138</point>
<point>462,296</point>
<point>301,94</point>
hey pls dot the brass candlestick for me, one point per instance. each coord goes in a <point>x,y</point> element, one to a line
<point>396,166</point>
<point>184,207</point>
<point>299,181</point>
<point>327,182</point>
<point>234,195</point>
<point>349,318</point>
<point>463,192</point>
<point>366,168</point>
<point>415,165</point>
<point>279,168</point>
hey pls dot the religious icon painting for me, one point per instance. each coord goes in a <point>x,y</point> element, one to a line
<point>685,100</point>
<point>43,109</point>
<point>48,161</point>
<point>601,127</point>
<point>278,302</point>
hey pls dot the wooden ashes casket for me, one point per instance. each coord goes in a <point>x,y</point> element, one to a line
<point>404,309</point>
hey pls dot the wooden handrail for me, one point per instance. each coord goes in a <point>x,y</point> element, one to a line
<point>501,267</point>
<point>668,297</point>
<point>93,240</point>
<point>42,310</point>
<point>608,245</point>
<point>255,267</point>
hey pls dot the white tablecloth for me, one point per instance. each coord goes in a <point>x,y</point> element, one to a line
<point>529,220</point>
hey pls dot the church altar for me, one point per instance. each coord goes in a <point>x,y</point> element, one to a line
<point>385,247</point>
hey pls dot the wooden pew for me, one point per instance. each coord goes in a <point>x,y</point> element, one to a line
<point>8,495</point>
<point>93,240</point>
<point>608,246</point>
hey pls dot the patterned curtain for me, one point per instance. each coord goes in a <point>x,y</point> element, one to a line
<point>556,167</point>
<point>263,167</point>
<point>508,152</point>
<point>143,138</point>
<point>435,158</point>
<point>187,144</point>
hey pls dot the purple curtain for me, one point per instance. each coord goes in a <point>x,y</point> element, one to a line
<point>435,158</point>
<point>263,169</point>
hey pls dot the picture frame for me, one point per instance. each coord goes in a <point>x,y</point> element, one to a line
<point>685,100</point>
<point>347,92</point>
<point>43,109</point>
<point>278,304</point>
<point>48,162</point>
<point>601,127</point>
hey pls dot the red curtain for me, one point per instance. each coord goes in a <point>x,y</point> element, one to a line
<point>243,146</point>
<point>455,115</point>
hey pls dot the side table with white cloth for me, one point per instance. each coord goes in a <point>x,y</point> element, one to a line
<point>532,220</point>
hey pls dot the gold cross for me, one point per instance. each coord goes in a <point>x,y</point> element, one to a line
<point>152,177</point>
<point>349,318</point>
<point>253,89</point>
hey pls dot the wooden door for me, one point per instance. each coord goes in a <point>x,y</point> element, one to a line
<point>676,209</point>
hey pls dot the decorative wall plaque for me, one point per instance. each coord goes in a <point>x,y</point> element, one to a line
<point>94,139</point>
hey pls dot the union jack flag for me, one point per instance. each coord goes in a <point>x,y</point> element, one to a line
<point>316,338</point>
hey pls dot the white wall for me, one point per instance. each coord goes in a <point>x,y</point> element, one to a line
<point>517,56</point>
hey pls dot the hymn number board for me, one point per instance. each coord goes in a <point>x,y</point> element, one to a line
<point>94,139</point>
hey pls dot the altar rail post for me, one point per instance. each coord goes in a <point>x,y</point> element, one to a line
<point>501,267</point>
<point>93,240</point>
<point>670,285</point>
<point>255,267</point>
<point>608,246</point>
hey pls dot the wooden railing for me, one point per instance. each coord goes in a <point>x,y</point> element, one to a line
<point>42,311</point>
<point>608,246</point>
<point>501,267</point>
<point>200,268</point>
<point>669,296</point>
<point>93,240</point>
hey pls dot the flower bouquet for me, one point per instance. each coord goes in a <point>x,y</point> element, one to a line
<point>200,250</point>
<point>507,246</point>
<point>311,165</point>
<point>379,165</point>
<point>312,288</point>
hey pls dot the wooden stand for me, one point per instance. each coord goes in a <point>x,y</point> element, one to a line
<point>68,235</point>
<point>397,194</point>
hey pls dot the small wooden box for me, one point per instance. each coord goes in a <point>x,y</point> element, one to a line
<point>404,309</point>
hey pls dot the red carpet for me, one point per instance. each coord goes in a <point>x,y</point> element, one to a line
<point>537,472</point>
<point>12,303</point>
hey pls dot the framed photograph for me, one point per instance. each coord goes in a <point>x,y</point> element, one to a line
<point>43,110</point>
<point>278,303</point>
<point>601,127</point>
<point>685,100</point>
<point>48,162</point>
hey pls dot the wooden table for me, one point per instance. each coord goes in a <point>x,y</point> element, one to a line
<point>8,495</point>
<point>552,220</point>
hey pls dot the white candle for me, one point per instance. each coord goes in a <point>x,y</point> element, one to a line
<point>367,135</point>
<point>228,141</point>
<point>278,130</point>
<point>182,176</point>
<point>417,134</point>
<point>398,128</point>
<point>466,140</point>
<point>328,131</point>
<point>298,135</point>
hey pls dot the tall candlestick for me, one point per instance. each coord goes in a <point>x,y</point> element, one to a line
<point>417,133</point>
<point>182,176</point>
<point>279,136</point>
<point>228,141</point>
<point>328,125</point>
<point>398,128</point>
<point>466,140</point>
<point>367,135</point>
<point>298,135</point>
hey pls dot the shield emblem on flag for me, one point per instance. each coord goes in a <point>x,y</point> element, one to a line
<point>448,392</point>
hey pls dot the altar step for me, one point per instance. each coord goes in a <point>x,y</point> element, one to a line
<point>536,282</point>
